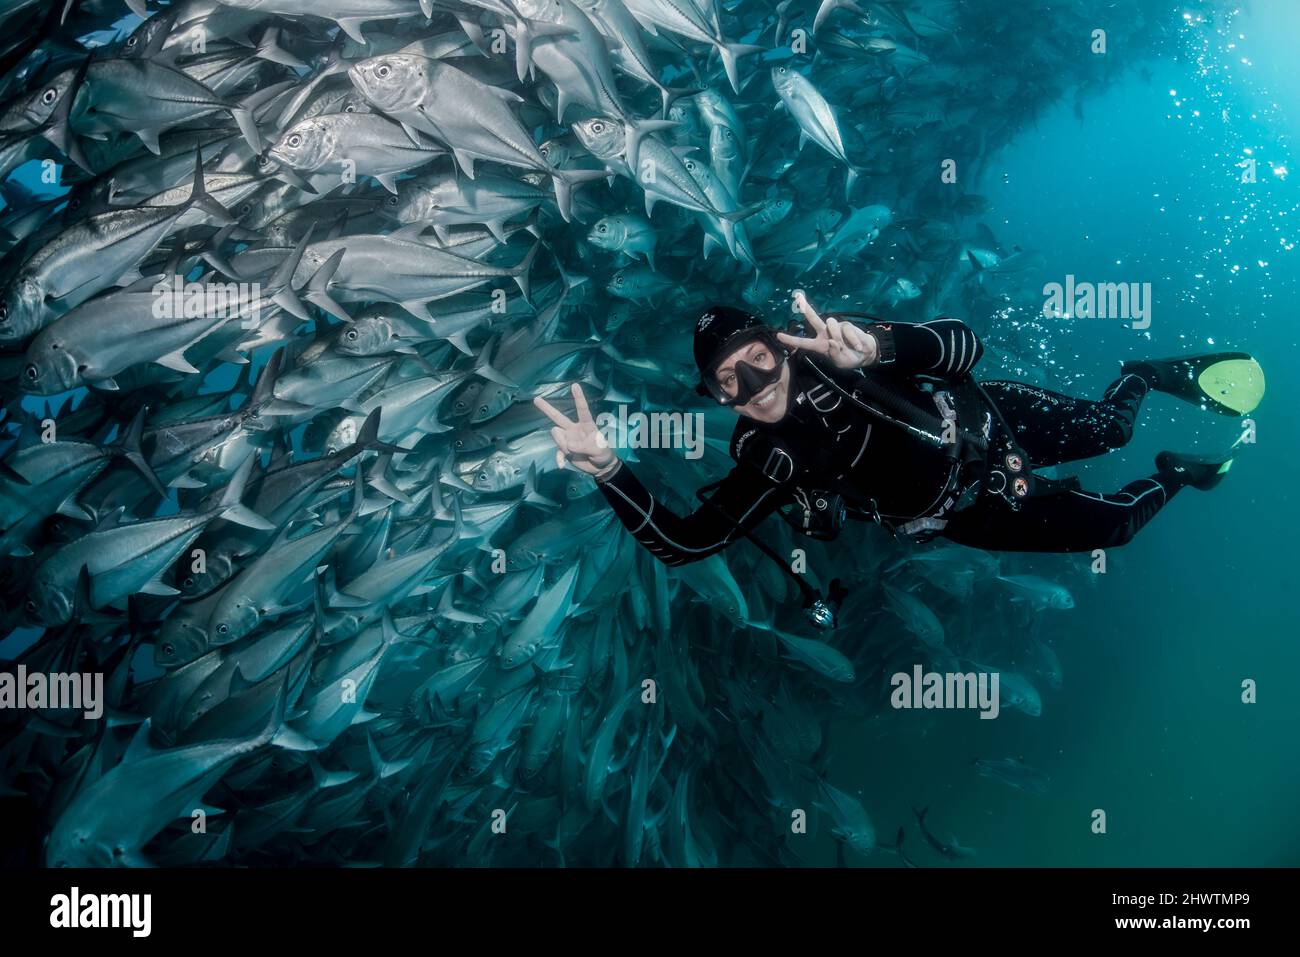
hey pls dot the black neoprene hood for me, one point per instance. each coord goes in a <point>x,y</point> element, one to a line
<point>716,330</point>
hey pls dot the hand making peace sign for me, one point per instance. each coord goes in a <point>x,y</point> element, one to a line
<point>578,442</point>
<point>842,342</point>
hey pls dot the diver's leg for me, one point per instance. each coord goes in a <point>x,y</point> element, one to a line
<point>1066,518</point>
<point>1053,428</point>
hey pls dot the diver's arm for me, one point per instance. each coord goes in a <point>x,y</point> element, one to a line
<point>946,348</point>
<point>743,499</point>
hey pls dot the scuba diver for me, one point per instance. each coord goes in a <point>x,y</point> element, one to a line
<point>883,421</point>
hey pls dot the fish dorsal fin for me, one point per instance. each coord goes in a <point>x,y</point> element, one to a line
<point>140,748</point>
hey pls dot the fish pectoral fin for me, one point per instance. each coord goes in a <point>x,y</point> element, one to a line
<point>150,140</point>
<point>158,588</point>
<point>72,510</point>
<point>89,280</point>
<point>418,308</point>
<point>412,134</point>
<point>342,599</point>
<point>290,740</point>
<point>176,360</point>
<point>388,181</point>
<point>352,27</point>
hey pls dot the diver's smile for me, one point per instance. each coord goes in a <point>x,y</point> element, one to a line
<point>766,397</point>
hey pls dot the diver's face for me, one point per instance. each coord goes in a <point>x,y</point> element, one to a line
<point>770,404</point>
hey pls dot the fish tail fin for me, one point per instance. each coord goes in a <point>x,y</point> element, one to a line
<point>829,6</point>
<point>199,195</point>
<point>269,49</point>
<point>531,495</point>
<point>566,181</point>
<point>243,112</point>
<point>521,272</point>
<point>484,368</point>
<point>671,94</point>
<point>232,506</point>
<point>127,446</point>
<point>731,54</point>
<point>318,287</point>
<point>281,290</point>
<point>634,132</point>
<point>736,215</point>
<point>368,436</point>
<point>58,128</point>
<point>264,391</point>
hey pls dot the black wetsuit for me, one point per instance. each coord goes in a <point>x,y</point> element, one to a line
<point>843,435</point>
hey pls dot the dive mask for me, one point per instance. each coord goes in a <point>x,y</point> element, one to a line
<point>750,380</point>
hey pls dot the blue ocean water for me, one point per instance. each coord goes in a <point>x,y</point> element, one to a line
<point>1149,724</point>
<point>1141,183</point>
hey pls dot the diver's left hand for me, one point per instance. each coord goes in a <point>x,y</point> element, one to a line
<point>842,342</point>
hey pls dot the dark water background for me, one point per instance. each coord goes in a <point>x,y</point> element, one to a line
<point>1149,725</point>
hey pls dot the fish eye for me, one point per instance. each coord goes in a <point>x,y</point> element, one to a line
<point>168,648</point>
<point>31,373</point>
<point>383,71</point>
<point>4,312</point>
<point>482,476</point>
<point>350,108</point>
<point>294,141</point>
<point>132,41</point>
<point>392,200</point>
<point>618,280</point>
<point>598,127</point>
<point>31,605</point>
<point>188,583</point>
<point>351,335</point>
<point>50,95</point>
<point>602,228</point>
<point>223,629</point>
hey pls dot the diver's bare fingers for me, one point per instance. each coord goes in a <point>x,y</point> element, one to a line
<point>799,342</point>
<point>815,321</point>
<point>854,337</point>
<point>552,413</point>
<point>801,303</point>
<point>583,410</point>
<point>561,438</point>
<point>560,460</point>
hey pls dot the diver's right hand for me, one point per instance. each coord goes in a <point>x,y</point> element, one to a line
<point>580,442</point>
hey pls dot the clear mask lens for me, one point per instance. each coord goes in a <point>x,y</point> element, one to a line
<point>744,380</point>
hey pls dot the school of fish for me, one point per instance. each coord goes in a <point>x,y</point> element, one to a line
<point>312,531</point>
